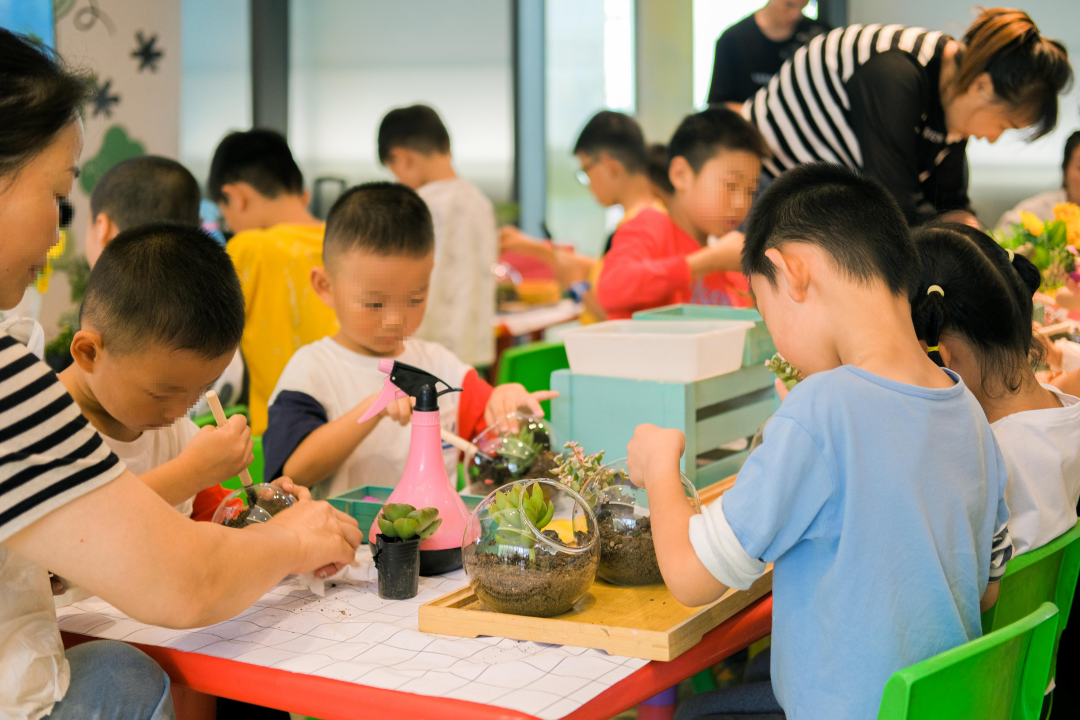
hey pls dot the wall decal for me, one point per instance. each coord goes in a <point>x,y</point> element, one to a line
<point>102,101</point>
<point>116,146</point>
<point>147,53</point>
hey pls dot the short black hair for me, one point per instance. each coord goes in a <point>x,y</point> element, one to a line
<point>853,218</point>
<point>383,218</point>
<point>659,167</point>
<point>261,158</point>
<point>39,97</point>
<point>985,298</point>
<point>1071,145</point>
<point>166,284</point>
<point>417,127</point>
<point>146,189</point>
<point>702,136</point>
<point>616,134</point>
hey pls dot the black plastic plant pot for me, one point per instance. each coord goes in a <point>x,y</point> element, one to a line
<point>398,563</point>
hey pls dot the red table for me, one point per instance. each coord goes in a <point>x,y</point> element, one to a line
<point>339,700</point>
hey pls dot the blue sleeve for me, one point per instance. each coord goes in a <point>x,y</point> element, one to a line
<point>782,494</point>
<point>293,416</point>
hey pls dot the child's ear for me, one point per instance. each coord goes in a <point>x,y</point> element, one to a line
<point>793,267</point>
<point>320,282</point>
<point>680,173</point>
<point>86,350</point>
<point>233,196</point>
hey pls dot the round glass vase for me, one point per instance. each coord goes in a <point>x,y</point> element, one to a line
<point>252,505</point>
<point>517,567</point>
<point>527,453</point>
<point>621,509</point>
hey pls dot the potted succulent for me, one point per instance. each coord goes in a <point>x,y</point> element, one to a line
<point>527,555</point>
<point>508,456</point>
<point>251,505</point>
<point>397,548</point>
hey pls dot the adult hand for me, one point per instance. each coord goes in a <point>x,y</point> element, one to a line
<point>326,538</point>
<point>652,450</point>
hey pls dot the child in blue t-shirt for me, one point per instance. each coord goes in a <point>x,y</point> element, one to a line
<point>878,490</point>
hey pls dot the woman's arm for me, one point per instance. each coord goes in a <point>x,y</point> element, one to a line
<point>125,544</point>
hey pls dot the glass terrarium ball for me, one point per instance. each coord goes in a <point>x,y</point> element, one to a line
<point>621,509</point>
<point>251,505</point>
<point>508,455</point>
<point>526,554</point>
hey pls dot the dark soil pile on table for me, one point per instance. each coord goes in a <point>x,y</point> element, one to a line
<point>627,554</point>
<point>494,475</point>
<point>544,587</point>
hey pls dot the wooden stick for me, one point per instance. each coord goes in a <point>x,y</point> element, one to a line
<point>459,442</point>
<point>220,419</point>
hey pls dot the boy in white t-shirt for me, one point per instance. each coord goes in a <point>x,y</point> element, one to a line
<point>161,320</point>
<point>415,146</point>
<point>377,256</point>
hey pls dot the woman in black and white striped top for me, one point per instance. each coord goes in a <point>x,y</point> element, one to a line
<point>67,503</point>
<point>899,103</point>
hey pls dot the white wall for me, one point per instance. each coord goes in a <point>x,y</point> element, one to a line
<point>1010,170</point>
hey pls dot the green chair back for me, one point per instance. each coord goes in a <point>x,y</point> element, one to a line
<point>255,468</point>
<point>1000,676</point>
<point>532,365</point>
<point>1045,574</point>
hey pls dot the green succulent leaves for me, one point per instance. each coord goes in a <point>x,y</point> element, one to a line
<point>403,521</point>
<point>513,506</point>
<point>576,469</point>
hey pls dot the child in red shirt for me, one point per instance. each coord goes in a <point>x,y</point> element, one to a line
<point>659,259</point>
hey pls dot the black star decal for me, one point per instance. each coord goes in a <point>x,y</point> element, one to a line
<point>102,100</point>
<point>147,54</point>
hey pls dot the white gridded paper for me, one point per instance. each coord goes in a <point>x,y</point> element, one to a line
<point>354,635</point>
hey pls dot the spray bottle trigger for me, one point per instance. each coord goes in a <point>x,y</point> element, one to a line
<point>389,392</point>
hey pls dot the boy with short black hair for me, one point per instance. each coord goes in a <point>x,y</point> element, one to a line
<point>414,145</point>
<point>378,259</point>
<point>259,188</point>
<point>139,191</point>
<point>162,317</point>
<point>659,259</point>
<point>878,492</point>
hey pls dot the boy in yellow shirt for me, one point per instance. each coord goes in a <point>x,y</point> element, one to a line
<point>260,190</point>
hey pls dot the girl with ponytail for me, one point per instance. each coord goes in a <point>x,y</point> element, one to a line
<point>972,307</point>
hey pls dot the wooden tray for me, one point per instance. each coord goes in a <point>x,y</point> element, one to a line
<point>643,622</point>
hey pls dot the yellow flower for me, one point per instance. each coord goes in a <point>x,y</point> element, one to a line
<point>54,252</point>
<point>1069,213</point>
<point>1031,223</point>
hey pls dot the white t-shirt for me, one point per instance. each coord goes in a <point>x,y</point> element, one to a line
<point>1041,206</point>
<point>461,300</point>
<point>1042,452</point>
<point>154,448</point>
<point>324,381</point>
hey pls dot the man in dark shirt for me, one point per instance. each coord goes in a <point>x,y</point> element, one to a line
<point>752,50</point>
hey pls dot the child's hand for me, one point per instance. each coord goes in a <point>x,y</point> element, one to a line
<point>653,448</point>
<point>507,398</point>
<point>399,409</point>
<point>299,492</point>
<point>216,454</point>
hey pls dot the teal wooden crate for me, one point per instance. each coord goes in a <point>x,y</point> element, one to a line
<point>759,344</point>
<point>352,503</point>
<point>601,413</point>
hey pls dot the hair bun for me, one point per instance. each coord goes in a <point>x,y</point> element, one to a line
<point>1027,272</point>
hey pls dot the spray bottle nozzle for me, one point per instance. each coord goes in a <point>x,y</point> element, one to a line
<point>408,381</point>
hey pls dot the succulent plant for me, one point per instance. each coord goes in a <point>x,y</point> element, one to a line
<point>400,521</point>
<point>513,506</point>
<point>576,469</point>
<point>782,369</point>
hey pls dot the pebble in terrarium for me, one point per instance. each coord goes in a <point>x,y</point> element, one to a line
<point>527,555</point>
<point>506,456</point>
<point>627,553</point>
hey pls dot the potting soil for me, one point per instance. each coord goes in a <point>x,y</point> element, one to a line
<point>627,556</point>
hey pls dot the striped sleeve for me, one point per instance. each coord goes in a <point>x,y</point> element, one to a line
<point>49,453</point>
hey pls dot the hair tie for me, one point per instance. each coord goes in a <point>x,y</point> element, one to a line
<point>1011,254</point>
<point>935,289</point>
<point>933,348</point>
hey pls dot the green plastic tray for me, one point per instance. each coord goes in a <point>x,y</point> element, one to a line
<point>759,344</point>
<point>365,511</point>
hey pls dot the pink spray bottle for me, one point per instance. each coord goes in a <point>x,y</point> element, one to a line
<point>424,483</point>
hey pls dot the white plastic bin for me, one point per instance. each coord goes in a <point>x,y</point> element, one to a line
<point>680,351</point>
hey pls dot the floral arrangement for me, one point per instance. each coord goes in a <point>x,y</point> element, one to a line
<point>1050,245</point>
<point>782,369</point>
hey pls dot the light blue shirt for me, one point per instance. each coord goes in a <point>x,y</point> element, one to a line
<point>878,503</point>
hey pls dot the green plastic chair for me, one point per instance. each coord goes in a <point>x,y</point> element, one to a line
<point>1000,676</point>
<point>1046,574</point>
<point>255,468</point>
<point>532,365</point>
<point>208,418</point>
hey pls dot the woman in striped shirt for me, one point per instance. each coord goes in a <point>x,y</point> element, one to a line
<point>899,103</point>
<point>67,503</point>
